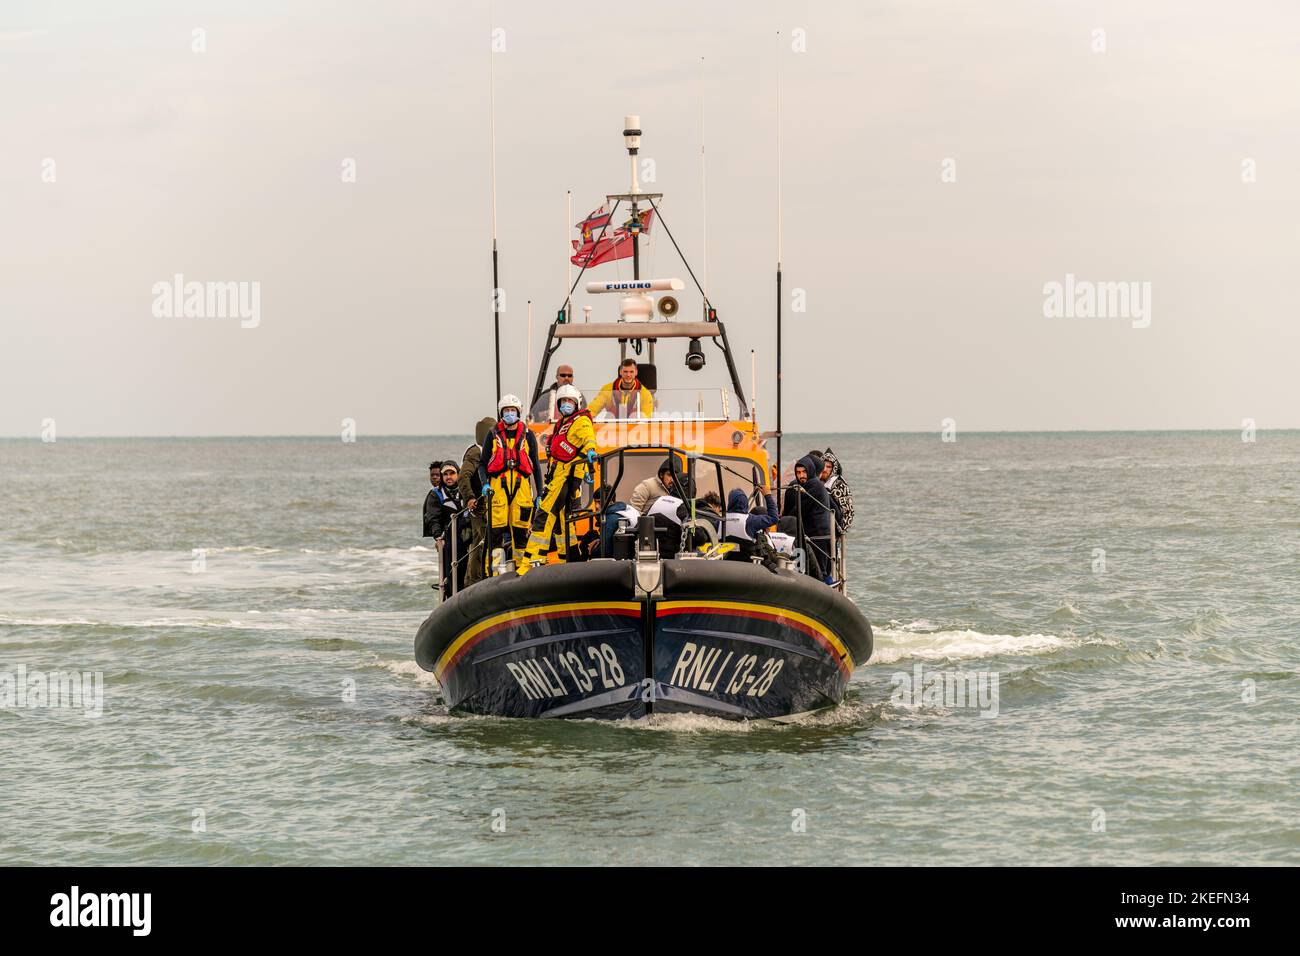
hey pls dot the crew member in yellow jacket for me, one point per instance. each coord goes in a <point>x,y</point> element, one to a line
<point>507,465</point>
<point>571,452</point>
<point>625,397</point>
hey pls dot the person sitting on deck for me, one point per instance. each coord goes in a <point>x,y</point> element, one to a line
<point>743,525</point>
<point>625,397</point>
<point>646,492</point>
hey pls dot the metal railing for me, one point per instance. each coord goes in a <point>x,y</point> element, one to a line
<point>838,566</point>
<point>594,512</point>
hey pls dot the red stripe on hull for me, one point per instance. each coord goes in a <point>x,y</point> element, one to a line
<point>528,618</point>
<point>764,616</point>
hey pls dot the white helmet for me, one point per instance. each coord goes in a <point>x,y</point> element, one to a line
<point>510,401</point>
<point>568,391</point>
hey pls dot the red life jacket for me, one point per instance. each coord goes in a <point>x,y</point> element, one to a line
<point>512,458</point>
<point>559,449</point>
<point>632,403</point>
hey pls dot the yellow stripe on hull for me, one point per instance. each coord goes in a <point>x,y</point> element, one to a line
<point>542,610</point>
<point>815,625</point>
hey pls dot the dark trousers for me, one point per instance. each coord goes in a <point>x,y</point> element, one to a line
<point>816,550</point>
<point>475,572</point>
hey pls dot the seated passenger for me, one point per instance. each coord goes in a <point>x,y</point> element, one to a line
<point>645,493</point>
<point>743,525</point>
<point>625,397</point>
<point>617,513</point>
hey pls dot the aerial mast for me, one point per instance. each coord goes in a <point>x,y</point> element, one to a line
<point>632,136</point>
<point>778,253</point>
<point>492,148</point>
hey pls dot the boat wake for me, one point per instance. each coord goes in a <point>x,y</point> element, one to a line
<point>409,669</point>
<point>924,641</point>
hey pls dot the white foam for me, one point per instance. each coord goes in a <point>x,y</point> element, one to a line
<point>148,622</point>
<point>409,669</point>
<point>910,641</point>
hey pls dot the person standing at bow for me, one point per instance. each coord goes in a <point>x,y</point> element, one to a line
<point>571,452</point>
<point>469,487</point>
<point>506,471</point>
<point>448,513</point>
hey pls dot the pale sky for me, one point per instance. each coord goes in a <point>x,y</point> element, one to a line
<point>924,297</point>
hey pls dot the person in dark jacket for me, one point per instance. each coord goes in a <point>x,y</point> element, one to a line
<point>432,505</point>
<point>808,502</point>
<point>473,502</point>
<point>744,525</point>
<point>447,503</point>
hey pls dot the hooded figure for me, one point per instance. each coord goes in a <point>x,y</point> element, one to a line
<point>743,525</point>
<point>813,503</point>
<point>809,502</point>
<point>839,489</point>
<point>473,502</point>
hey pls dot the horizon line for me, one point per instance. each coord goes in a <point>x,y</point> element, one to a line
<point>333,436</point>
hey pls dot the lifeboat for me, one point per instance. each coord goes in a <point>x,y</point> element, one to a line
<point>675,610</point>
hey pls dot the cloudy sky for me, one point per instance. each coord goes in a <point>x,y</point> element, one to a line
<point>1164,150</point>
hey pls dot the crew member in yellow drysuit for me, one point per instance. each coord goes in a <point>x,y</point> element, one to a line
<point>625,397</point>
<point>506,467</point>
<point>572,455</point>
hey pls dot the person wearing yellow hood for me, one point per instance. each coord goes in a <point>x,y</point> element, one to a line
<point>571,453</point>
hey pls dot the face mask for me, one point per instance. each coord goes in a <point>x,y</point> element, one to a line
<point>566,408</point>
<point>510,418</point>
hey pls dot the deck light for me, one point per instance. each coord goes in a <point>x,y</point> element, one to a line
<point>695,356</point>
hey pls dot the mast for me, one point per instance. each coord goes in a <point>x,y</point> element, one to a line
<point>568,261</point>
<point>492,148</point>
<point>704,199</point>
<point>779,459</point>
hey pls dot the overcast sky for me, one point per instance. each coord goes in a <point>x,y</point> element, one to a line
<point>924,297</point>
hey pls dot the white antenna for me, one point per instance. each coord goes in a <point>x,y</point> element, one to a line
<point>568,260</point>
<point>528,345</point>
<point>632,137</point>
<point>753,386</point>
<point>704,201</point>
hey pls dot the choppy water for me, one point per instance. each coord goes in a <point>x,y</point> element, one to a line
<point>1120,691</point>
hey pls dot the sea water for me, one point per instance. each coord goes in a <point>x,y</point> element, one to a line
<point>1123,608</point>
